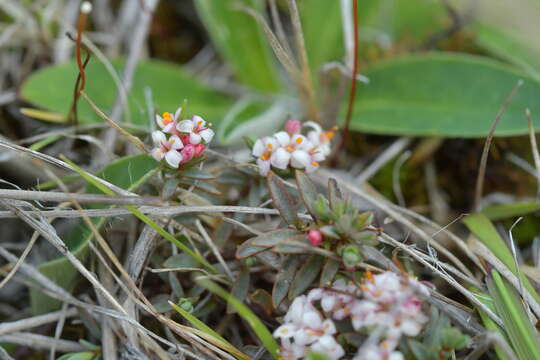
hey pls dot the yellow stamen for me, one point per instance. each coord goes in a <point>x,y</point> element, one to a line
<point>199,123</point>
<point>269,146</point>
<point>369,277</point>
<point>329,135</point>
<point>289,148</point>
<point>314,163</point>
<point>299,140</point>
<point>167,118</point>
<point>266,156</point>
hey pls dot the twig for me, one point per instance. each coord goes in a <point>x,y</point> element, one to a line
<point>35,321</point>
<point>214,249</point>
<point>20,261</point>
<point>483,160</point>
<point>81,198</point>
<point>41,342</point>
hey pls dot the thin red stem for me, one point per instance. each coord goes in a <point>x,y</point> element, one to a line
<point>352,93</point>
<point>80,29</point>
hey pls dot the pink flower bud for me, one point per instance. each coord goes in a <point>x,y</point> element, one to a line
<point>199,149</point>
<point>188,152</point>
<point>315,237</point>
<point>293,127</point>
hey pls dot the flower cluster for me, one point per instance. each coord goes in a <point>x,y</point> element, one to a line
<point>291,148</point>
<point>180,141</point>
<point>388,303</point>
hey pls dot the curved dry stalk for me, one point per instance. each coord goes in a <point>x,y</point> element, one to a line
<point>81,198</point>
<point>20,261</point>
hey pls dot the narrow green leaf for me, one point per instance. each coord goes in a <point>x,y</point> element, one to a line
<point>284,279</point>
<point>264,335</point>
<point>521,332</point>
<point>282,199</point>
<point>306,275</point>
<point>504,211</point>
<point>248,249</point>
<point>330,269</point>
<point>276,237</point>
<point>240,288</point>
<point>405,96</point>
<point>240,40</point>
<point>308,191</point>
<point>484,230</point>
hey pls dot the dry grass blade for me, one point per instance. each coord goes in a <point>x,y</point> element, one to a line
<point>534,149</point>
<point>36,341</point>
<point>485,152</point>
<point>19,262</point>
<point>28,323</point>
<point>81,198</point>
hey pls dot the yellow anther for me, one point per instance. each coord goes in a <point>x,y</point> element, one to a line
<point>265,156</point>
<point>289,148</point>
<point>314,163</point>
<point>299,140</point>
<point>269,146</point>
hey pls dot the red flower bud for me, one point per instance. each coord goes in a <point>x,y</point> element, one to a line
<point>293,127</point>
<point>315,237</point>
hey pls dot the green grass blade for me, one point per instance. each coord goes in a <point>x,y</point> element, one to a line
<point>254,322</point>
<point>484,230</point>
<point>143,217</point>
<point>521,332</point>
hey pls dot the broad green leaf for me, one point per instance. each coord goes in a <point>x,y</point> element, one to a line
<point>254,322</point>
<point>240,40</point>
<point>484,230</point>
<point>282,199</point>
<point>443,94</point>
<point>502,42</point>
<point>51,88</point>
<point>517,325</point>
<point>128,173</point>
<point>504,211</point>
<point>87,355</point>
<point>306,275</point>
<point>248,249</point>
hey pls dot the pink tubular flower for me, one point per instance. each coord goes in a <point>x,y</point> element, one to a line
<point>188,152</point>
<point>293,127</point>
<point>167,148</point>
<point>315,237</point>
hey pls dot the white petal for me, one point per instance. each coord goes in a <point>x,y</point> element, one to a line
<point>207,135</point>
<point>312,319</point>
<point>198,121</point>
<point>329,327</point>
<point>159,121</point>
<point>313,125</point>
<point>315,294</point>
<point>314,137</point>
<point>280,158</point>
<point>264,166</point>
<point>169,127</point>
<point>175,142</point>
<point>177,113</point>
<point>300,159</point>
<point>157,154</point>
<point>285,331</point>
<point>194,138</point>
<point>159,137</point>
<point>173,158</point>
<point>283,138</point>
<point>185,126</point>
<point>296,309</point>
<point>258,148</point>
<point>411,327</point>
<point>328,302</point>
<point>396,355</point>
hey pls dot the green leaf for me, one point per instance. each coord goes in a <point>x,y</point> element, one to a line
<point>273,238</point>
<point>284,279</point>
<point>503,42</point>
<point>248,249</point>
<point>240,288</point>
<point>282,199</point>
<point>306,275</point>
<point>51,88</point>
<point>87,355</point>
<point>484,230</point>
<point>254,322</point>
<point>240,40</point>
<point>504,211</point>
<point>128,173</point>
<point>330,269</point>
<point>517,325</point>
<point>443,94</point>
<point>308,192</point>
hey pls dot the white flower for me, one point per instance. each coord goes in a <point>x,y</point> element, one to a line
<point>168,121</point>
<point>197,130</point>
<point>374,352</point>
<point>328,346</point>
<point>319,138</point>
<point>167,148</point>
<point>263,150</point>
